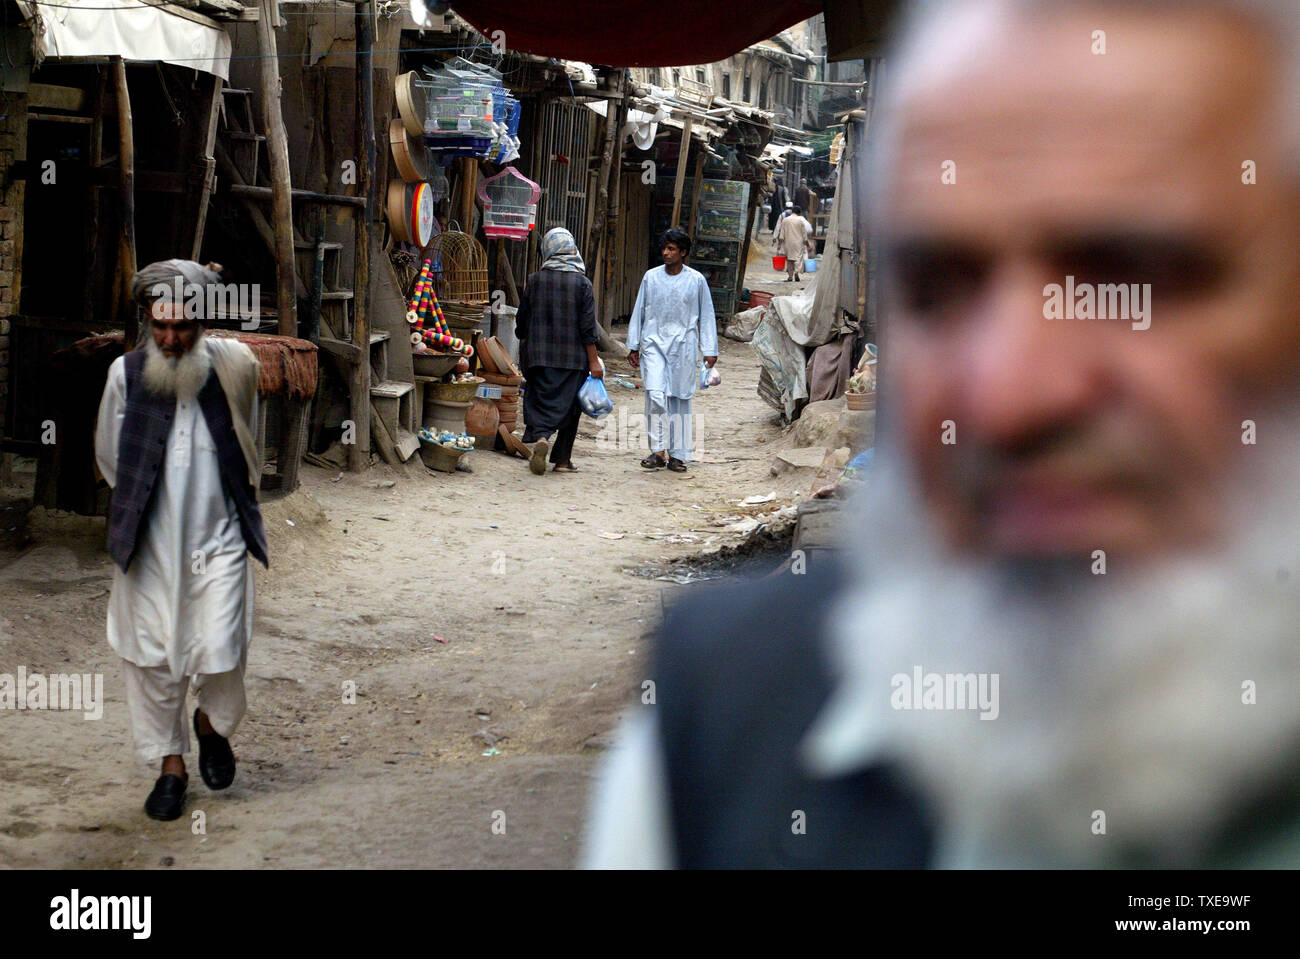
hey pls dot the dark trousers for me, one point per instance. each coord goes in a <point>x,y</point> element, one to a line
<point>551,406</point>
<point>562,451</point>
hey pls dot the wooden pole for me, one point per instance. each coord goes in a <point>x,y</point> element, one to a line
<point>682,154</point>
<point>359,452</point>
<point>92,292</point>
<point>126,264</point>
<point>605,305</point>
<point>209,160</point>
<point>695,195</point>
<point>861,239</point>
<point>277,144</point>
<point>468,190</point>
<point>596,234</point>
<point>311,196</point>
<point>752,220</point>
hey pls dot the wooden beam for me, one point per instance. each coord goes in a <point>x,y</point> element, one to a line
<point>363,415</point>
<point>752,221</point>
<point>468,167</point>
<point>595,236</point>
<point>93,266</point>
<point>695,194</point>
<point>188,15</point>
<point>209,160</point>
<point>126,263</point>
<point>54,97</point>
<point>308,196</point>
<point>277,144</point>
<point>604,307</point>
<point>59,118</point>
<point>682,154</point>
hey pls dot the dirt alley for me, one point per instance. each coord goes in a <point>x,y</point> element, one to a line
<point>476,613</point>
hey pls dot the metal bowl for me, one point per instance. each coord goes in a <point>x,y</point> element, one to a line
<point>430,363</point>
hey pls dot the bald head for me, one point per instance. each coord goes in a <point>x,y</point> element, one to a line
<point>1030,146</point>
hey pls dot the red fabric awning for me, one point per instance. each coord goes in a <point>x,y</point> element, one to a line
<point>634,34</point>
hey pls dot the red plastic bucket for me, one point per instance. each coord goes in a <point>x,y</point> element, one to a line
<point>778,263</point>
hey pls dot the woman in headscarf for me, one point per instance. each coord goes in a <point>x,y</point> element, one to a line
<point>556,328</point>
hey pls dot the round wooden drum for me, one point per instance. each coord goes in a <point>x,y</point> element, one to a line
<point>408,153</point>
<point>410,212</point>
<point>411,103</point>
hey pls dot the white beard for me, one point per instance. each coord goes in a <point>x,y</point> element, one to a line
<point>1120,692</point>
<point>181,377</point>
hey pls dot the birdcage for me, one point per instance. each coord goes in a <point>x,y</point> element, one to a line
<point>509,204</point>
<point>459,268</point>
<point>693,93</point>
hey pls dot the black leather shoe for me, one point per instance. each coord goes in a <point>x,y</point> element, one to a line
<point>167,799</point>
<point>216,761</point>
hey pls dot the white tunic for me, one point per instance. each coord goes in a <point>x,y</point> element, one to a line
<point>671,323</point>
<point>186,601</point>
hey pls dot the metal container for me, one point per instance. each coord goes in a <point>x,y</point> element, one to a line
<point>444,415</point>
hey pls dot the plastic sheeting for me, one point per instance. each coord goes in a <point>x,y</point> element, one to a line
<point>783,360</point>
<point>129,29</point>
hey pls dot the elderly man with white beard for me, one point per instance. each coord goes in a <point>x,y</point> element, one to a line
<point>1099,515</point>
<point>175,441</point>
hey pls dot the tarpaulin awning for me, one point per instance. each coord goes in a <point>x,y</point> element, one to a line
<point>130,29</point>
<point>633,34</point>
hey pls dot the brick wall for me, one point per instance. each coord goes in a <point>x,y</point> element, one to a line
<point>13,147</point>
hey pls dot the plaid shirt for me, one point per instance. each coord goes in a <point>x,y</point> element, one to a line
<point>556,320</point>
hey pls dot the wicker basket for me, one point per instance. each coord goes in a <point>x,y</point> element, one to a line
<point>861,401</point>
<point>459,268</point>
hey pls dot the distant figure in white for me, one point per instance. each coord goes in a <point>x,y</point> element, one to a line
<point>671,323</point>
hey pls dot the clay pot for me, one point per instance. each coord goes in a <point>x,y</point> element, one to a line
<point>462,366</point>
<point>482,418</point>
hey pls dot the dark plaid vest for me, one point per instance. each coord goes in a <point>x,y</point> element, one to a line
<point>142,446</point>
<point>741,675</point>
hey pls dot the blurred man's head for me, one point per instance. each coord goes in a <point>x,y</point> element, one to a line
<point>675,247</point>
<point>1101,511</point>
<point>1024,164</point>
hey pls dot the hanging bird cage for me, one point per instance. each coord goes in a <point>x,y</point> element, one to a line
<point>459,271</point>
<point>509,204</point>
<point>438,183</point>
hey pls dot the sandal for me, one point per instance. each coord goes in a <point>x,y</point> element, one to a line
<point>676,465</point>
<point>564,468</point>
<point>653,462</point>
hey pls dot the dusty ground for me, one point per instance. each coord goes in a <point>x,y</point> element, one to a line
<point>485,618</point>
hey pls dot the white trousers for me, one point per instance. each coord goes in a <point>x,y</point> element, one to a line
<point>160,725</point>
<point>668,425</point>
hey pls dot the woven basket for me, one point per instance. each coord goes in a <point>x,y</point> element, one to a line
<point>460,268</point>
<point>861,401</point>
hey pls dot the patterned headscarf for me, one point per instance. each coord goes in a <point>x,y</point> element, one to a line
<point>560,252</point>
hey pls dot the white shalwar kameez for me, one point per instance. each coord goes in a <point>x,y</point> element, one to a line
<point>671,324</point>
<point>183,610</point>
